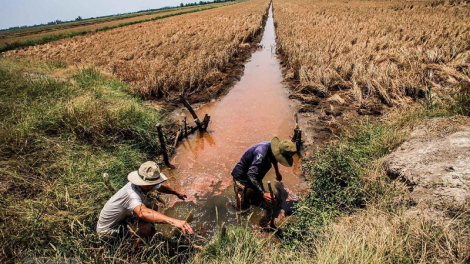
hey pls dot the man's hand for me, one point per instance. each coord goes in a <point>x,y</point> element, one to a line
<point>278,176</point>
<point>181,195</point>
<point>267,198</point>
<point>164,188</point>
<point>183,226</point>
<point>152,216</point>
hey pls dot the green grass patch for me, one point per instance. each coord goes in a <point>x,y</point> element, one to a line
<point>343,175</point>
<point>57,137</point>
<point>462,105</point>
<point>337,179</point>
<point>238,246</point>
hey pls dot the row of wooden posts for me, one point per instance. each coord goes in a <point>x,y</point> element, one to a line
<point>202,127</point>
<point>182,132</point>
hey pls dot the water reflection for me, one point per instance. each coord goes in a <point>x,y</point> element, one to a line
<point>197,143</point>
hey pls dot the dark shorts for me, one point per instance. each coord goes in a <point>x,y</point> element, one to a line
<point>121,230</point>
<point>246,196</point>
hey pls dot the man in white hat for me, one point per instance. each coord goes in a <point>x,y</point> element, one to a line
<point>131,201</point>
<point>249,172</point>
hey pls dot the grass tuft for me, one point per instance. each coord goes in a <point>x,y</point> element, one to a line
<point>240,245</point>
<point>56,139</point>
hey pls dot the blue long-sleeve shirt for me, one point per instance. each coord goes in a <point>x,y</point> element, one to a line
<point>254,165</point>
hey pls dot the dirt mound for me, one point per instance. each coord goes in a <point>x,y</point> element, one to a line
<point>435,164</point>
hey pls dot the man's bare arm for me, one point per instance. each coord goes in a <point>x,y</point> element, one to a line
<point>152,216</point>
<point>278,174</point>
<point>164,188</point>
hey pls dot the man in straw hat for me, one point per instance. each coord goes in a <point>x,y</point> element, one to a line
<point>131,203</point>
<point>249,172</point>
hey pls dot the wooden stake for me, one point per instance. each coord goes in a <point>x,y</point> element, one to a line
<point>271,223</point>
<point>205,121</point>
<point>191,111</point>
<point>185,128</point>
<point>223,230</point>
<point>163,146</point>
<point>177,138</point>
<point>297,137</point>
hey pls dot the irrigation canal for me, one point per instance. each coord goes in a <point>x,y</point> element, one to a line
<point>256,109</point>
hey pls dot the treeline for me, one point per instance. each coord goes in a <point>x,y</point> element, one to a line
<point>205,2</point>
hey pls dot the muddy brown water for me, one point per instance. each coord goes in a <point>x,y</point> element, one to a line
<point>256,109</point>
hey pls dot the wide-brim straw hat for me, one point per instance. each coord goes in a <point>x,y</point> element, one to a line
<point>283,151</point>
<point>148,174</point>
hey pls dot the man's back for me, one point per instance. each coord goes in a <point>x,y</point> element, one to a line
<point>120,206</point>
<point>255,161</point>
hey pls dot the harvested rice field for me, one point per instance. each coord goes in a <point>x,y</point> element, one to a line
<point>10,36</point>
<point>374,51</point>
<point>188,53</point>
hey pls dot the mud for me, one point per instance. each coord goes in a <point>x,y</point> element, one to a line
<point>435,164</point>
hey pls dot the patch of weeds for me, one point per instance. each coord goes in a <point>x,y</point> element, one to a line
<point>429,100</point>
<point>337,179</point>
<point>124,160</point>
<point>105,114</point>
<point>88,78</point>
<point>462,105</point>
<point>59,64</point>
<point>56,140</point>
<point>336,189</point>
<point>238,246</point>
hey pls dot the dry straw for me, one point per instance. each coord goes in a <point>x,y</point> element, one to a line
<point>385,50</point>
<point>162,58</point>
